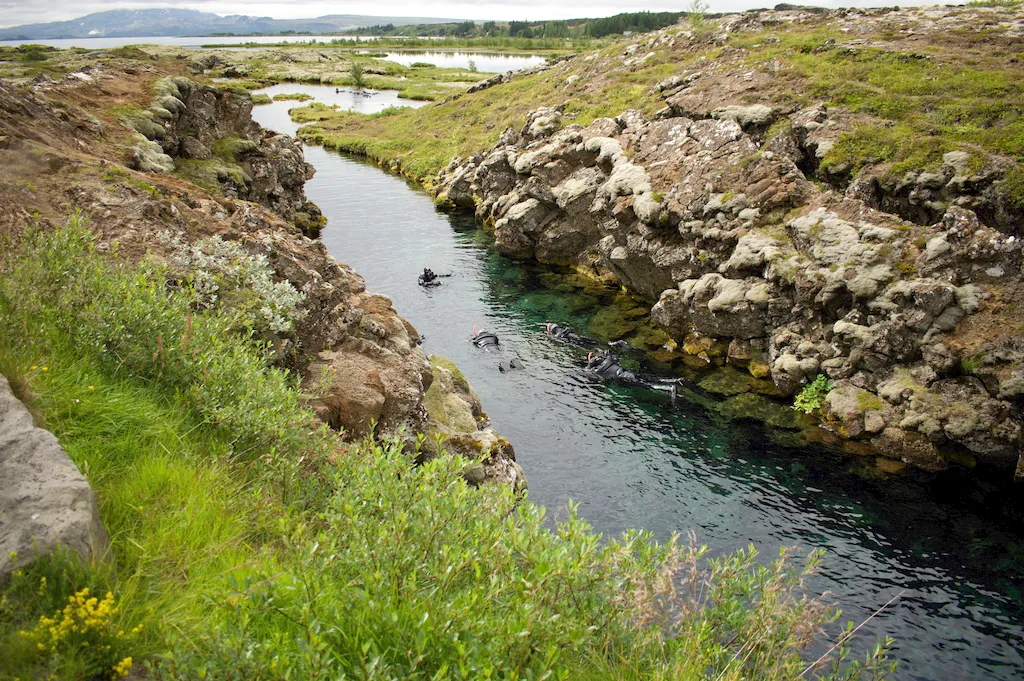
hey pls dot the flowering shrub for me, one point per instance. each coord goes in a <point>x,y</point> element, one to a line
<point>84,633</point>
<point>126,318</point>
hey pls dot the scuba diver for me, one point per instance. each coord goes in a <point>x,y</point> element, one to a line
<point>605,365</point>
<point>430,278</point>
<point>485,339</point>
<point>564,333</point>
<point>489,341</point>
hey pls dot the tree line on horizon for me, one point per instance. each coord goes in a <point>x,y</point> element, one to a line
<point>570,28</point>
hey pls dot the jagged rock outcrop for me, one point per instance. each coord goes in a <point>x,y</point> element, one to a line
<point>457,418</point>
<point>213,128</point>
<point>45,501</point>
<point>716,223</point>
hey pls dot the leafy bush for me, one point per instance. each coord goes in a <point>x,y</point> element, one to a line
<point>696,13</point>
<point>33,53</point>
<point>216,271</point>
<point>813,395</point>
<point>417,576</point>
<point>357,72</point>
<point>127,319</point>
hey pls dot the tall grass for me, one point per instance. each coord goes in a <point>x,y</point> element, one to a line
<point>260,548</point>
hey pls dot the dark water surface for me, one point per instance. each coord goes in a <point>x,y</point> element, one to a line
<point>631,458</point>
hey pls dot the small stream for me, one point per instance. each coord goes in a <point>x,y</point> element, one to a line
<point>633,458</point>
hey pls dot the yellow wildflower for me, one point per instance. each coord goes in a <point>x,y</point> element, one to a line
<point>123,667</point>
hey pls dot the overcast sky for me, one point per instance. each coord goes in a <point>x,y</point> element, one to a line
<point>17,12</point>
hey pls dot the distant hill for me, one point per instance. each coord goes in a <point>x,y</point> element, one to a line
<point>125,23</point>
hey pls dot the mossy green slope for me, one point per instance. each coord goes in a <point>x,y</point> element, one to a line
<point>910,95</point>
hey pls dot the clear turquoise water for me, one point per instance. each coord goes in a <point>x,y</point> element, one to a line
<point>632,458</point>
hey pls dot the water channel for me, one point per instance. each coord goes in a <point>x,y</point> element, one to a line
<point>632,458</point>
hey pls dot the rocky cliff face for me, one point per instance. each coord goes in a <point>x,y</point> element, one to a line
<point>710,215</point>
<point>356,354</point>
<point>209,133</point>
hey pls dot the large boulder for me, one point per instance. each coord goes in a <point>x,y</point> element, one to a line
<point>377,374</point>
<point>45,501</point>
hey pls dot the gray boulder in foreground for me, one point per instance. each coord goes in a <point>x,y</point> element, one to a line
<point>45,501</point>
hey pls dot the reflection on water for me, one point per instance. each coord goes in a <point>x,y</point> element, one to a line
<point>631,458</point>
<point>485,62</point>
<point>275,116</point>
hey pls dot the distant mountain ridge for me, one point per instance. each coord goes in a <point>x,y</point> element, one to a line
<point>127,23</point>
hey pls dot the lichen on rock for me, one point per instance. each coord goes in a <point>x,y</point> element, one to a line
<point>711,217</point>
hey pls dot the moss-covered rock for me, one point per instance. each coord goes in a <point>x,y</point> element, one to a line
<point>750,406</point>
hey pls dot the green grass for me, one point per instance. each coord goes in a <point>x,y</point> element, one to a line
<point>959,97</point>
<point>1013,185</point>
<point>994,3</point>
<point>422,141</point>
<point>293,96</point>
<point>244,551</point>
<point>192,481</point>
<point>117,175</point>
<point>504,44</point>
<point>963,92</point>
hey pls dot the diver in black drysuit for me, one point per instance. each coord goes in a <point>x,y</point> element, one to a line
<point>485,338</point>
<point>489,341</point>
<point>606,365</point>
<point>565,334</point>
<point>428,278</point>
